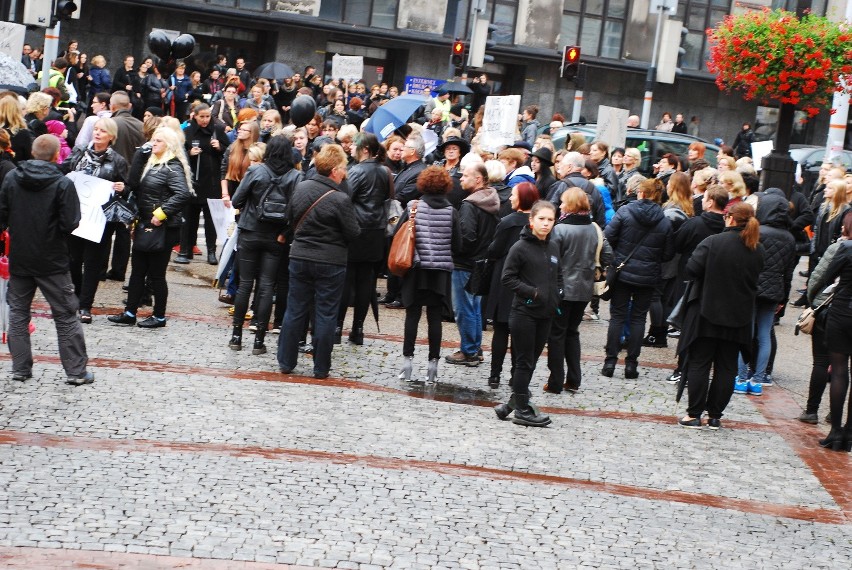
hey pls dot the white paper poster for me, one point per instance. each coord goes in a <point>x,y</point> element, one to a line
<point>12,39</point>
<point>759,150</point>
<point>348,67</point>
<point>222,218</point>
<point>500,121</point>
<point>93,193</point>
<point>612,126</point>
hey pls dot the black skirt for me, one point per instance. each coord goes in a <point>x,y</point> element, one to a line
<point>838,333</point>
<point>425,287</point>
<point>369,247</point>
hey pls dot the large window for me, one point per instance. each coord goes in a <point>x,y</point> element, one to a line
<point>597,26</point>
<point>374,13</point>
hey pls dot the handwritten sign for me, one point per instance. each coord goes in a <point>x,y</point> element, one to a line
<point>612,126</point>
<point>421,85</point>
<point>348,67</point>
<point>222,218</point>
<point>12,39</point>
<point>500,122</point>
<point>93,193</point>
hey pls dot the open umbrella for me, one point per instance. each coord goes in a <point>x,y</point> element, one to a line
<point>393,115</point>
<point>274,70</point>
<point>453,87</point>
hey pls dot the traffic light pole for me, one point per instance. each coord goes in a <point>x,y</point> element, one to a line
<point>651,78</point>
<point>51,48</point>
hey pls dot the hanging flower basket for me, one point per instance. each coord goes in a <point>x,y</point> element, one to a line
<point>775,55</point>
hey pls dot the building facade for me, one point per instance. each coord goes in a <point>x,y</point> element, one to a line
<point>401,38</point>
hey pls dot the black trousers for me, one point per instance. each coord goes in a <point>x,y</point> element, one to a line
<point>87,263</point>
<point>360,287</point>
<point>529,335</point>
<point>258,255</point>
<point>563,346</point>
<point>433,320</point>
<point>150,266</point>
<point>622,294</point>
<point>819,371</point>
<point>282,286</point>
<point>499,347</point>
<point>189,229</point>
<point>712,396</point>
<point>120,248</point>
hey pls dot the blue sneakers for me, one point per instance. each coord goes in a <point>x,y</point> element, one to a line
<point>754,389</point>
<point>740,387</point>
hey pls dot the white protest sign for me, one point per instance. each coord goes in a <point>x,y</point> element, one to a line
<point>12,39</point>
<point>348,67</point>
<point>759,150</point>
<point>222,218</point>
<point>500,121</point>
<point>612,126</point>
<point>93,193</point>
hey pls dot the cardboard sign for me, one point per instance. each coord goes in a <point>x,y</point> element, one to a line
<point>612,126</point>
<point>12,39</point>
<point>500,122</point>
<point>348,67</point>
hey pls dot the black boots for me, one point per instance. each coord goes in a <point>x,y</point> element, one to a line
<point>259,347</point>
<point>656,337</point>
<point>838,439</point>
<point>504,410</point>
<point>631,370</point>
<point>356,335</point>
<point>525,415</point>
<point>236,339</point>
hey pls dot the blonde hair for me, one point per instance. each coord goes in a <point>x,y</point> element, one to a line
<point>738,187</point>
<point>496,170</point>
<point>10,113</point>
<point>109,125</point>
<point>347,133</point>
<point>99,61</point>
<point>702,178</point>
<point>256,152</point>
<point>38,102</point>
<point>174,149</point>
<point>836,202</point>
<point>680,195</point>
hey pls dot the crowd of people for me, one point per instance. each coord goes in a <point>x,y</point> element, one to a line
<point>526,238</point>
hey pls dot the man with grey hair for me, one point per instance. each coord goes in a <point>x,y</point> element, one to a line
<point>572,167</point>
<point>633,122</point>
<point>40,208</point>
<point>405,183</point>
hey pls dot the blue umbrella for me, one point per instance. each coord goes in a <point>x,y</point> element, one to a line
<point>393,115</point>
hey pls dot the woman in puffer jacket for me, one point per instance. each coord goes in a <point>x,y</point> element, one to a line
<point>161,194</point>
<point>773,284</point>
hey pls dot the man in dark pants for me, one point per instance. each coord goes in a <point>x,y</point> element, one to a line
<point>40,208</point>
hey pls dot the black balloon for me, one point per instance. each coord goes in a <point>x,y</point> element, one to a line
<point>160,44</point>
<point>182,46</point>
<point>302,110</point>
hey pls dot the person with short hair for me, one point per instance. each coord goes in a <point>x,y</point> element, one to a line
<point>40,208</point>
<point>405,183</point>
<point>322,219</point>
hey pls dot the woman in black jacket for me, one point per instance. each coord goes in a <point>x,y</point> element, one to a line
<point>370,185</point>
<point>838,335</point>
<point>259,248</point>
<point>532,272</point>
<point>88,258</point>
<point>718,322</point>
<point>499,300</point>
<point>161,194</point>
<point>205,144</point>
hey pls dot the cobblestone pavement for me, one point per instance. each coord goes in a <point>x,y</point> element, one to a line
<point>184,454</point>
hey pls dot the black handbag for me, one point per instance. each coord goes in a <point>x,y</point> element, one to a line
<point>480,278</point>
<point>613,271</point>
<point>149,238</point>
<point>117,209</point>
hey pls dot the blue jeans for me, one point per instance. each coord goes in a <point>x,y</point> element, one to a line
<point>764,318</point>
<point>322,284</point>
<point>466,308</point>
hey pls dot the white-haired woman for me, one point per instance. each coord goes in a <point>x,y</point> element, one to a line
<point>161,194</point>
<point>88,258</point>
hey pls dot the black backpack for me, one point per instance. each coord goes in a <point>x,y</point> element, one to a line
<point>272,207</point>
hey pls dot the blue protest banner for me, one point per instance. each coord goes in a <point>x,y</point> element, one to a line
<point>421,85</point>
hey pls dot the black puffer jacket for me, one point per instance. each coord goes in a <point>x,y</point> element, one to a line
<point>163,186</point>
<point>773,284</point>
<point>532,272</point>
<point>370,186</point>
<point>641,220</point>
<point>251,190</point>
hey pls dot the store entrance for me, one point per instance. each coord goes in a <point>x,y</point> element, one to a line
<point>212,40</point>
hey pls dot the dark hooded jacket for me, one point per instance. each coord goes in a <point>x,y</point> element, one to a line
<point>532,272</point>
<point>779,260</point>
<point>642,220</point>
<point>40,207</point>
<point>694,231</point>
<point>477,220</point>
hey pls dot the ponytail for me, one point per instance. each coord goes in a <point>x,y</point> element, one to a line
<point>743,215</point>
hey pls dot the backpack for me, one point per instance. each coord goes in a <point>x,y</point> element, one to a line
<point>272,207</point>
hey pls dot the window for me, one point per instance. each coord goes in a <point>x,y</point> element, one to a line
<point>374,13</point>
<point>597,26</point>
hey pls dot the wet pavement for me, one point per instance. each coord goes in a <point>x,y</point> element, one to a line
<point>185,454</point>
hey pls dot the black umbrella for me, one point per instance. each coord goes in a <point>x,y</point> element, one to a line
<point>453,87</point>
<point>274,70</point>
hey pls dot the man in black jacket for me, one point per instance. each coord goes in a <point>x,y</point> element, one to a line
<point>40,208</point>
<point>324,222</point>
<point>405,183</point>
<point>477,221</point>
<point>572,165</point>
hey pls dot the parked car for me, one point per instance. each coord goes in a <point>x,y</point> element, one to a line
<point>652,144</point>
<point>810,159</point>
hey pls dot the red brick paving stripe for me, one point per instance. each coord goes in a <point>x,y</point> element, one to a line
<point>331,382</point>
<point>9,437</point>
<point>832,469</point>
<point>50,559</point>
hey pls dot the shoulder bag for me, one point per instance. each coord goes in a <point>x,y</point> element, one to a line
<point>813,317</point>
<point>149,238</point>
<point>600,286</point>
<point>401,256</point>
<point>479,283</point>
<point>612,272</point>
<point>308,211</point>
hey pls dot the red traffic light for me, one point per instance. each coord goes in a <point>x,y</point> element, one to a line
<point>458,47</point>
<point>572,54</point>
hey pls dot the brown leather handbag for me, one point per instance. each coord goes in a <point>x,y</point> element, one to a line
<point>401,256</point>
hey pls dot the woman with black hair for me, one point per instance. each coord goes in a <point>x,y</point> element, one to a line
<point>261,242</point>
<point>370,185</point>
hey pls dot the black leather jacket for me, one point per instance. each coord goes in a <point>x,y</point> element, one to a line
<point>163,186</point>
<point>250,191</point>
<point>110,166</point>
<point>370,184</point>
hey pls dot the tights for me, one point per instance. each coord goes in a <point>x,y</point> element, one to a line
<point>433,320</point>
<point>838,389</point>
